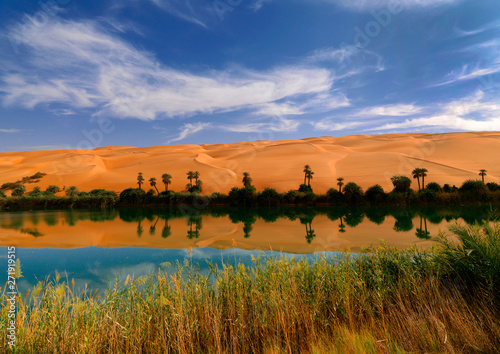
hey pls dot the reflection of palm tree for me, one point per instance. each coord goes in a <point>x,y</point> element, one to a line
<point>196,221</point>
<point>310,235</point>
<point>423,234</point>
<point>166,230</point>
<point>247,228</point>
<point>139,229</point>
<point>152,228</point>
<point>341,225</point>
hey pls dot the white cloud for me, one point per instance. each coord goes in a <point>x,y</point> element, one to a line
<point>365,5</point>
<point>257,5</point>
<point>390,110</point>
<point>10,130</point>
<point>329,125</point>
<point>472,114</point>
<point>81,65</point>
<point>190,129</point>
<point>182,9</point>
<point>277,124</point>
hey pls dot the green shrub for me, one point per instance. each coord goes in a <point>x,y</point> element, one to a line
<point>72,191</point>
<point>268,197</point>
<point>493,187</point>
<point>305,188</point>
<point>433,186</point>
<point>401,184</point>
<point>35,192</point>
<point>353,193</point>
<point>335,197</point>
<point>475,259</point>
<point>52,190</point>
<point>2,194</point>
<point>473,190</point>
<point>18,191</point>
<point>132,196</point>
<point>10,185</point>
<point>375,194</point>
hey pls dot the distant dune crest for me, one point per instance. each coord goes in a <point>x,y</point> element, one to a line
<point>364,159</point>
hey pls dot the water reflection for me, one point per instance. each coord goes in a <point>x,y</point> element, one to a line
<point>261,228</point>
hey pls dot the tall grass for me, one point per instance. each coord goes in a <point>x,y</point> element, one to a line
<point>383,301</point>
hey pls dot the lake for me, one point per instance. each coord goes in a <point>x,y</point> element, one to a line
<point>94,246</point>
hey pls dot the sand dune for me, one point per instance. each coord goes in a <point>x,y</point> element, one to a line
<point>364,159</point>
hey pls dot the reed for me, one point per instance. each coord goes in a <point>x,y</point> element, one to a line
<point>385,300</point>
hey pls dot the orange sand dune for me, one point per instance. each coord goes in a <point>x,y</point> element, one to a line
<point>364,159</point>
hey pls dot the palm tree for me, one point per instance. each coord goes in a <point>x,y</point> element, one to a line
<point>340,183</point>
<point>166,179</point>
<point>307,169</point>
<point>152,182</point>
<point>190,176</point>
<point>482,173</point>
<point>309,176</point>
<point>247,180</point>
<point>416,174</point>
<point>196,175</point>
<point>423,174</point>
<point>140,180</point>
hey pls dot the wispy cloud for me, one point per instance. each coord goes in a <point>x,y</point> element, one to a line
<point>276,124</point>
<point>472,113</point>
<point>81,65</point>
<point>364,5</point>
<point>190,129</point>
<point>183,9</point>
<point>10,130</point>
<point>396,110</point>
<point>329,124</point>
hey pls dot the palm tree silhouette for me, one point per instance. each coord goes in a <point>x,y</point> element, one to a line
<point>166,179</point>
<point>140,180</point>
<point>247,180</point>
<point>306,170</point>
<point>152,182</point>
<point>190,176</point>
<point>340,183</point>
<point>423,174</point>
<point>196,175</point>
<point>309,176</point>
<point>416,174</point>
<point>482,173</point>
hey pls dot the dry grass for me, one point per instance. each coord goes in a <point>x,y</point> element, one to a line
<point>387,301</point>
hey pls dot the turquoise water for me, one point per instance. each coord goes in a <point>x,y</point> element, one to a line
<point>94,247</point>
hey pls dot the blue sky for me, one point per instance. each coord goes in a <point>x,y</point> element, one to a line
<point>84,74</point>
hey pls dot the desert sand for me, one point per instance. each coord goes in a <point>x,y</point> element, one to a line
<point>363,159</point>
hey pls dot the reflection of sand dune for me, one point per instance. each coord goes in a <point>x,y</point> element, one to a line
<point>364,159</point>
<point>56,229</point>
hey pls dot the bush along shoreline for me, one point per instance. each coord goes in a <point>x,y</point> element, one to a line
<point>385,300</point>
<point>470,193</point>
